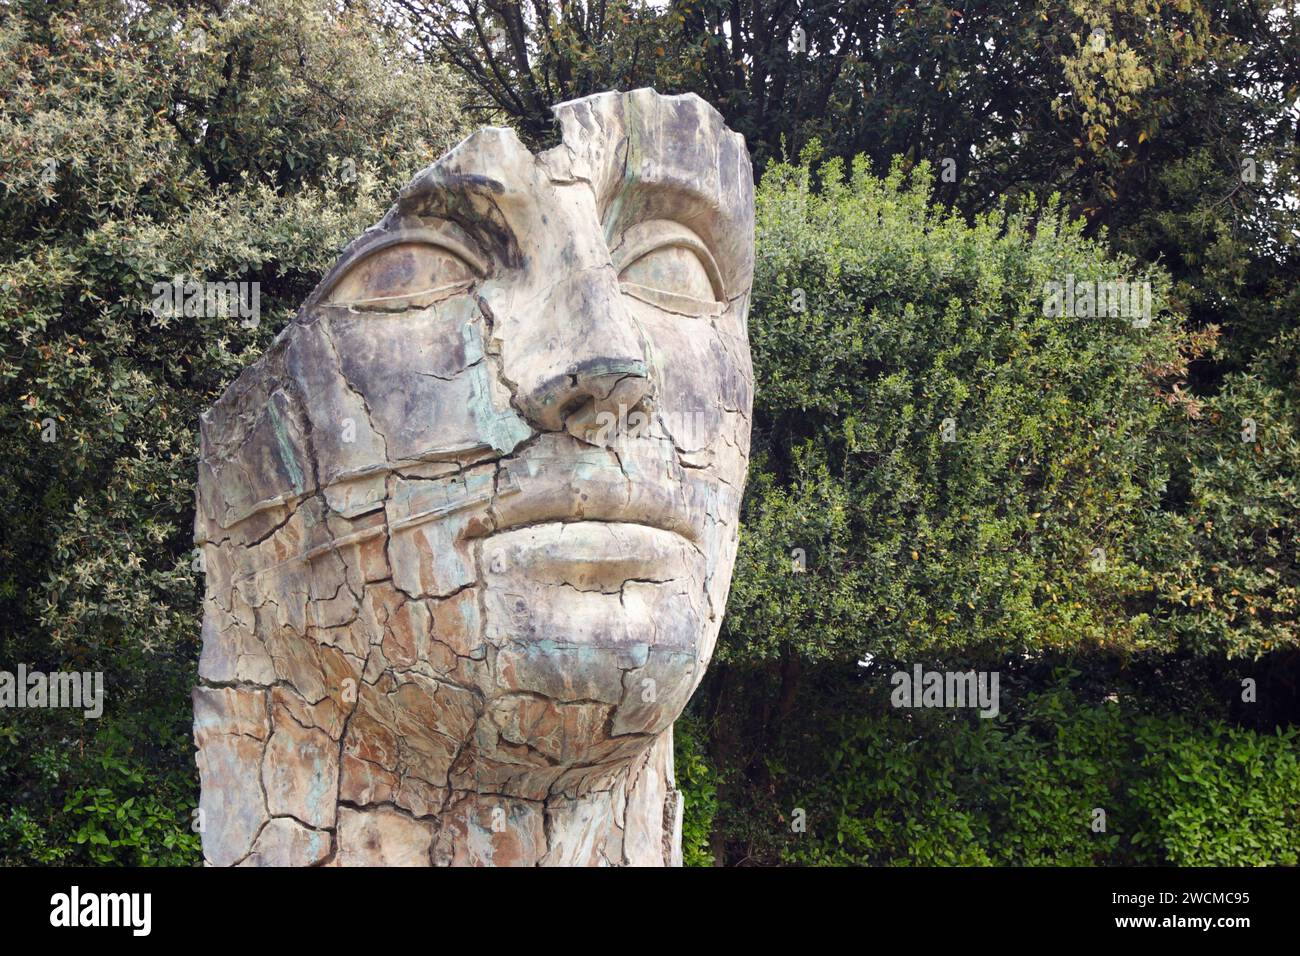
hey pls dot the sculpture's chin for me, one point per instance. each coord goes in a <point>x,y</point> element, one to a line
<point>591,652</point>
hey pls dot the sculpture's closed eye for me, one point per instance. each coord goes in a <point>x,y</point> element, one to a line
<point>666,265</point>
<point>403,275</point>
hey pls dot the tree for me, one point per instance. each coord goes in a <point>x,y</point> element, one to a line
<point>523,58</point>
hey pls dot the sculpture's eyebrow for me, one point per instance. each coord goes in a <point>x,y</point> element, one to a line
<point>440,187</point>
<point>637,200</point>
<point>471,201</point>
<point>697,208</point>
<point>444,233</point>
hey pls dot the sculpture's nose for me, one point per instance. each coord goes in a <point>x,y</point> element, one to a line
<point>582,355</point>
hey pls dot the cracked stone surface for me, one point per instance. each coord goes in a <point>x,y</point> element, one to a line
<point>470,522</point>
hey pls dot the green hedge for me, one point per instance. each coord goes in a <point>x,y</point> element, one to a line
<point>928,787</point>
<point>697,781</point>
<point>878,317</point>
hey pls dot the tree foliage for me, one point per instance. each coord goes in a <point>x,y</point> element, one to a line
<point>1089,507</point>
<point>958,468</point>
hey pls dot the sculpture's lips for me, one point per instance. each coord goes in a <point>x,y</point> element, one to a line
<point>591,555</point>
<point>543,489</point>
<point>621,520</point>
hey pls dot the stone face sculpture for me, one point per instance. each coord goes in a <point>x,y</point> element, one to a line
<point>469,524</point>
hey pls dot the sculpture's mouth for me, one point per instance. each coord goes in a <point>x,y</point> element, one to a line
<point>556,490</point>
<point>626,520</point>
<point>590,555</point>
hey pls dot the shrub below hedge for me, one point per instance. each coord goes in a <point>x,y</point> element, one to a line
<point>937,787</point>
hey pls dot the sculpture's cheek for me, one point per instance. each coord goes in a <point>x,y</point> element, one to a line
<point>704,392</point>
<point>427,387</point>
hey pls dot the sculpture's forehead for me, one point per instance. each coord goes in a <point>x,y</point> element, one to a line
<point>642,155</point>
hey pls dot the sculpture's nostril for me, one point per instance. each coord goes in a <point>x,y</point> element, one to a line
<point>573,406</point>
<point>612,385</point>
<point>628,392</point>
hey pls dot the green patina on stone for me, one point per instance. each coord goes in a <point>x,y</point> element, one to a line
<point>288,456</point>
<point>503,430</point>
